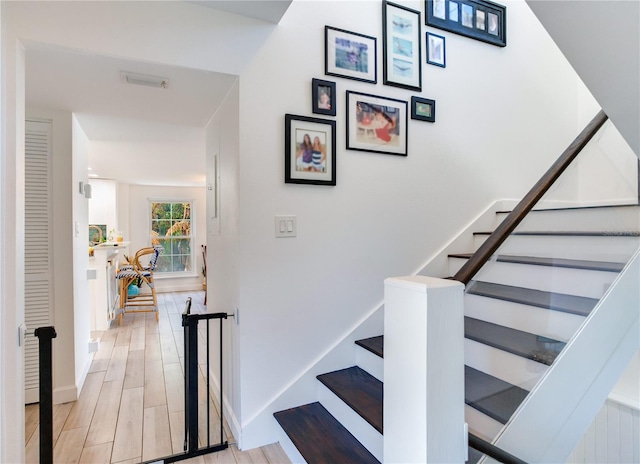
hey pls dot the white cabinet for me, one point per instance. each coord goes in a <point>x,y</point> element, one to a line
<point>103,289</point>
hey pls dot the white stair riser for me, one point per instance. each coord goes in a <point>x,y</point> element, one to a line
<point>288,447</point>
<point>591,219</point>
<point>579,282</point>
<point>455,264</point>
<point>352,421</point>
<point>604,248</point>
<point>481,425</point>
<point>516,370</point>
<point>553,324</point>
<point>370,362</point>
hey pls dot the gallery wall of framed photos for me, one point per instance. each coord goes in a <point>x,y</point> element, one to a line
<point>374,122</point>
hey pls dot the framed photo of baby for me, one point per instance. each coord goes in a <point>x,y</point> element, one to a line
<point>310,150</point>
<point>323,94</point>
<point>377,124</point>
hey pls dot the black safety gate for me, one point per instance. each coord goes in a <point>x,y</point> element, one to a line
<point>191,398</point>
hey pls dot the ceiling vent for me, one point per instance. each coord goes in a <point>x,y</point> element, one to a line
<point>144,79</point>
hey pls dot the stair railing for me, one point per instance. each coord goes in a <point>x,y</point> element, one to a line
<point>502,232</point>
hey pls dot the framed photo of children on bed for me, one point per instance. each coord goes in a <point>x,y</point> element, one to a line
<point>310,150</point>
<point>376,124</point>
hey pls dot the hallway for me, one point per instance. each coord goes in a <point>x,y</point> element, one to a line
<point>131,408</point>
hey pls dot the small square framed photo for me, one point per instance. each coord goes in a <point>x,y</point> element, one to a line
<point>310,150</point>
<point>436,52</point>
<point>349,54</point>
<point>323,94</point>
<point>423,109</point>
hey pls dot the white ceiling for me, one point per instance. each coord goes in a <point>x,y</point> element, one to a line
<point>139,135</point>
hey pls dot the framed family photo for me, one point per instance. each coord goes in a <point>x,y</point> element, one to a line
<point>349,54</point>
<point>478,19</point>
<point>423,109</point>
<point>310,150</point>
<point>376,124</point>
<point>436,52</point>
<point>401,46</point>
<point>323,94</point>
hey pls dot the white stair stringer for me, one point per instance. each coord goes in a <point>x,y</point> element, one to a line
<point>555,415</point>
<point>579,282</point>
<point>558,325</point>
<point>581,218</point>
<point>516,370</point>
<point>352,421</point>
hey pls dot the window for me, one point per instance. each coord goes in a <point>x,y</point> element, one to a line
<point>171,226</point>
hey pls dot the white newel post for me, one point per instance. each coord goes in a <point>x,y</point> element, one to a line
<point>423,371</point>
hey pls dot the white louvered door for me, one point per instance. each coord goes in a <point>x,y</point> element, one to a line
<point>38,289</point>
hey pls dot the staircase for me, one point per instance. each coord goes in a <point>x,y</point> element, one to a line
<point>520,311</point>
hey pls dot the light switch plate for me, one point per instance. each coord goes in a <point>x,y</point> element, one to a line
<point>286,226</point>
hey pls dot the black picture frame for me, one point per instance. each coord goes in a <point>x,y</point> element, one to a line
<point>436,50</point>
<point>323,95</point>
<point>376,124</point>
<point>478,19</point>
<point>402,51</point>
<point>423,109</point>
<point>350,55</point>
<point>301,164</point>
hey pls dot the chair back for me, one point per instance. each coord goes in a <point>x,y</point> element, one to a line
<point>154,259</point>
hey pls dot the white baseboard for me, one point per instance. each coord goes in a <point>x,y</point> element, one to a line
<point>65,394</point>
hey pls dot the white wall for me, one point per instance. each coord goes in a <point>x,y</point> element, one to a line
<point>609,60</point>
<point>12,250</point>
<point>222,141</point>
<point>140,220</point>
<point>80,207</point>
<point>499,126</point>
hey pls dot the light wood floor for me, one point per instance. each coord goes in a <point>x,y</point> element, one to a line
<point>131,408</point>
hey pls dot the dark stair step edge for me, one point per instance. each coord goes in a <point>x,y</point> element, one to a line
<point>574,233</point>
<point>575,208</point>
<point>531,346</point>
<point>361,391</point>
<point>372,344</point>
<point>320,438</point>
<point>571,304</point>
<point>553,262</point>
<point>491,396</point>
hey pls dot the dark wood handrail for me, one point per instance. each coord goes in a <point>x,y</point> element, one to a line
<point>489,247</point>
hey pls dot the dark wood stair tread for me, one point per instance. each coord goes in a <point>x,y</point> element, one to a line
<point>531,346</point>
<point>572,304</point>
<point>491,396</point>
<point>553,262</point>
<point>373,344</point>
<point>576,208</point>
<point>320,438</point>
<point>361,391</point>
